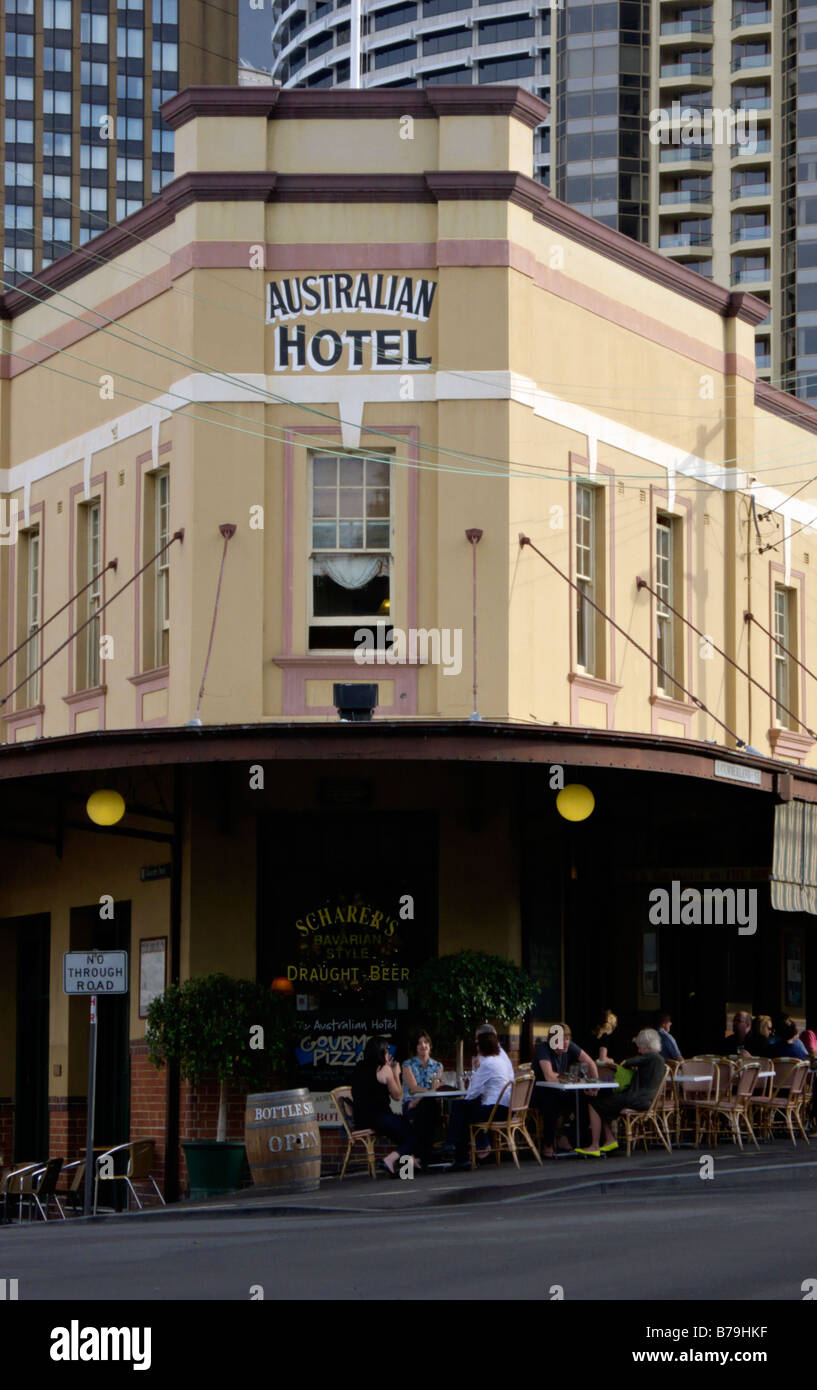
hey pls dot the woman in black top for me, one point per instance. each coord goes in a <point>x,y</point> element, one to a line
<point>376,1081</point>
<point>649,1070</point>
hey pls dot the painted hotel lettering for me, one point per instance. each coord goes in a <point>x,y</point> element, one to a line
<point>379,349</point>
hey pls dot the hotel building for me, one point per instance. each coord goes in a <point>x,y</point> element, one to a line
<point>354,369</point>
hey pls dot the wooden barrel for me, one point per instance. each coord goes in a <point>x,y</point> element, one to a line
<point>283,1141</point>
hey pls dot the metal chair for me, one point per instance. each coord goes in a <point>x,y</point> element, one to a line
<point>691,1094</point>
<point>73,1193</point>
<point>733,1107</point>
<point>37,1189</point>
<point>16,1182</point>
<point>636,1122</point>
<point>342,1096</point>
<point>506,1131</point>
<point>140,1161</point>
<point>783,1106</point>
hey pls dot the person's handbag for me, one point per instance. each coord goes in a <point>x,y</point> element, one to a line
<point>622,1077</point>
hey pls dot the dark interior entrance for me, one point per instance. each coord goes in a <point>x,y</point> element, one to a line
<point>112,1108</point>
<point>347,906</point>
<point>31,1084</point>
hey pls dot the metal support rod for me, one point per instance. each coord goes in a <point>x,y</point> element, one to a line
<point>89,1125</point>
<point>474,535</point>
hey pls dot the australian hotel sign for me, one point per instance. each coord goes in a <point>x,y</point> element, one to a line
<point>364,345</point>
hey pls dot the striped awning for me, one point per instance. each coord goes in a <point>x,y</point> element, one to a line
<point>794,871</point>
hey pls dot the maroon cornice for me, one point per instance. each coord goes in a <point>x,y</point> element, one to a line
<point>378,103</point>
<point>787,407</point>
<point>618,247</point>
<point>352,188</point>
<point>488,101</point>
<point>235,185</point>
<point>144,223</point>
<point>477,184</point>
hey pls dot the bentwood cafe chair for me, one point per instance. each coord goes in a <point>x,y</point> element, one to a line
<point>342,1096</point>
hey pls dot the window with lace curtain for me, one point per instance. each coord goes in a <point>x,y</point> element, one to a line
<point>350,560</point>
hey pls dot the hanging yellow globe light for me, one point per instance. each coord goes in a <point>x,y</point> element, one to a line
<point>105,807</point>
<point>575,802</point>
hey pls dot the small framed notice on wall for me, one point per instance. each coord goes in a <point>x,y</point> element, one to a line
<point>152,966</point>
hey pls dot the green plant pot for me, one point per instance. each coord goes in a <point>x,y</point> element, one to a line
<point>214,1168</point>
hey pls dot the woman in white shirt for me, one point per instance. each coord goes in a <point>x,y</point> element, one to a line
<point>484,1089</point>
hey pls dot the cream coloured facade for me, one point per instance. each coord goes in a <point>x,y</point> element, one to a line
<point>354,328</point>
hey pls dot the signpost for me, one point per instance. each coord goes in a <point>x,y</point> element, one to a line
<point>91,973</point>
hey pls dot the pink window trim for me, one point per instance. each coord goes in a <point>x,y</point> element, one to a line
<point>146,684</point>
<point>656,697</point>
<point>143,466</point>
<point>84,700</point>
<point>583,685</point>
<point>775,568</point>
<point>100,481</point>
<point>13,718</point>
<point>20,718</point>
<point>676,710</point>
<point>298,668</point>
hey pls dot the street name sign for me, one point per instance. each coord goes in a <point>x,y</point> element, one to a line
<point>95,972</point>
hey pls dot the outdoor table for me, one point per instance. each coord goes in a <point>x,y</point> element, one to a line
<point>438,1095</point>
<point>691,1080</point>
<point>578,1086</point>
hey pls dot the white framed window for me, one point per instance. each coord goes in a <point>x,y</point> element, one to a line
<point>784,685</point>
<point>19,88</point>
<point>350,537</point>
<point>162,591</point>
<point>29,694</point>
<point>586,577</point>
<point>22,174</point>
<point>665,589</point>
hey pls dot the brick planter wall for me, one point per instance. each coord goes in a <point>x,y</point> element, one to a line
<point>67,1122</point>
<point>148,1104</point>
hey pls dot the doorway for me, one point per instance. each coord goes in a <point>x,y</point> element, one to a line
<point>31,1079</point>
<point>112,1101</point>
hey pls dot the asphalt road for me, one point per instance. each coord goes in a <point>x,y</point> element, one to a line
<point>715,1244</point>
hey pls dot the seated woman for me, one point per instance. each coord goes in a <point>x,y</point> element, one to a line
<point>600,1037</point>
<point>758,1041</point>
<point>376,1081</point>
<point>552,1057</point>
<point>649,1070</point>
<point>484,1089</point>
<point>421,1074</point>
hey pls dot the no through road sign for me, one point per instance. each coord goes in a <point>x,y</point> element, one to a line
<point>95,972</point>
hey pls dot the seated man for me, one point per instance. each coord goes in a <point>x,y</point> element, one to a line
<point>484,1089</point>
<point>649,1070</point>
<point>552,1058</point>
<point>787,1043</point>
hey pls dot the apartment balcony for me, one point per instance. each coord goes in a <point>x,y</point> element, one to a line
<point>752,61</point>
<point>686,197</point>
<point>684,241</point>
<point>686,154</point>
<point>763,362</point>
<point>759,149</point>
<point>753,104</point>
<point>690,71</point>
<point>752,193</point>
<point>679,28</point>
<point>752,21</point>
<point>752,277</point>
<point>751,234</point>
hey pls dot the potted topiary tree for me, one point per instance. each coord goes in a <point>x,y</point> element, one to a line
<point>454,994</point>
<point>231,1031</point>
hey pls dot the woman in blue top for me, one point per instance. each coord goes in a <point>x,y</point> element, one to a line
<point>421,1073</point>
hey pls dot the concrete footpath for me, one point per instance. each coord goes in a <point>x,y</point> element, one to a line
<point>556,1180</point>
